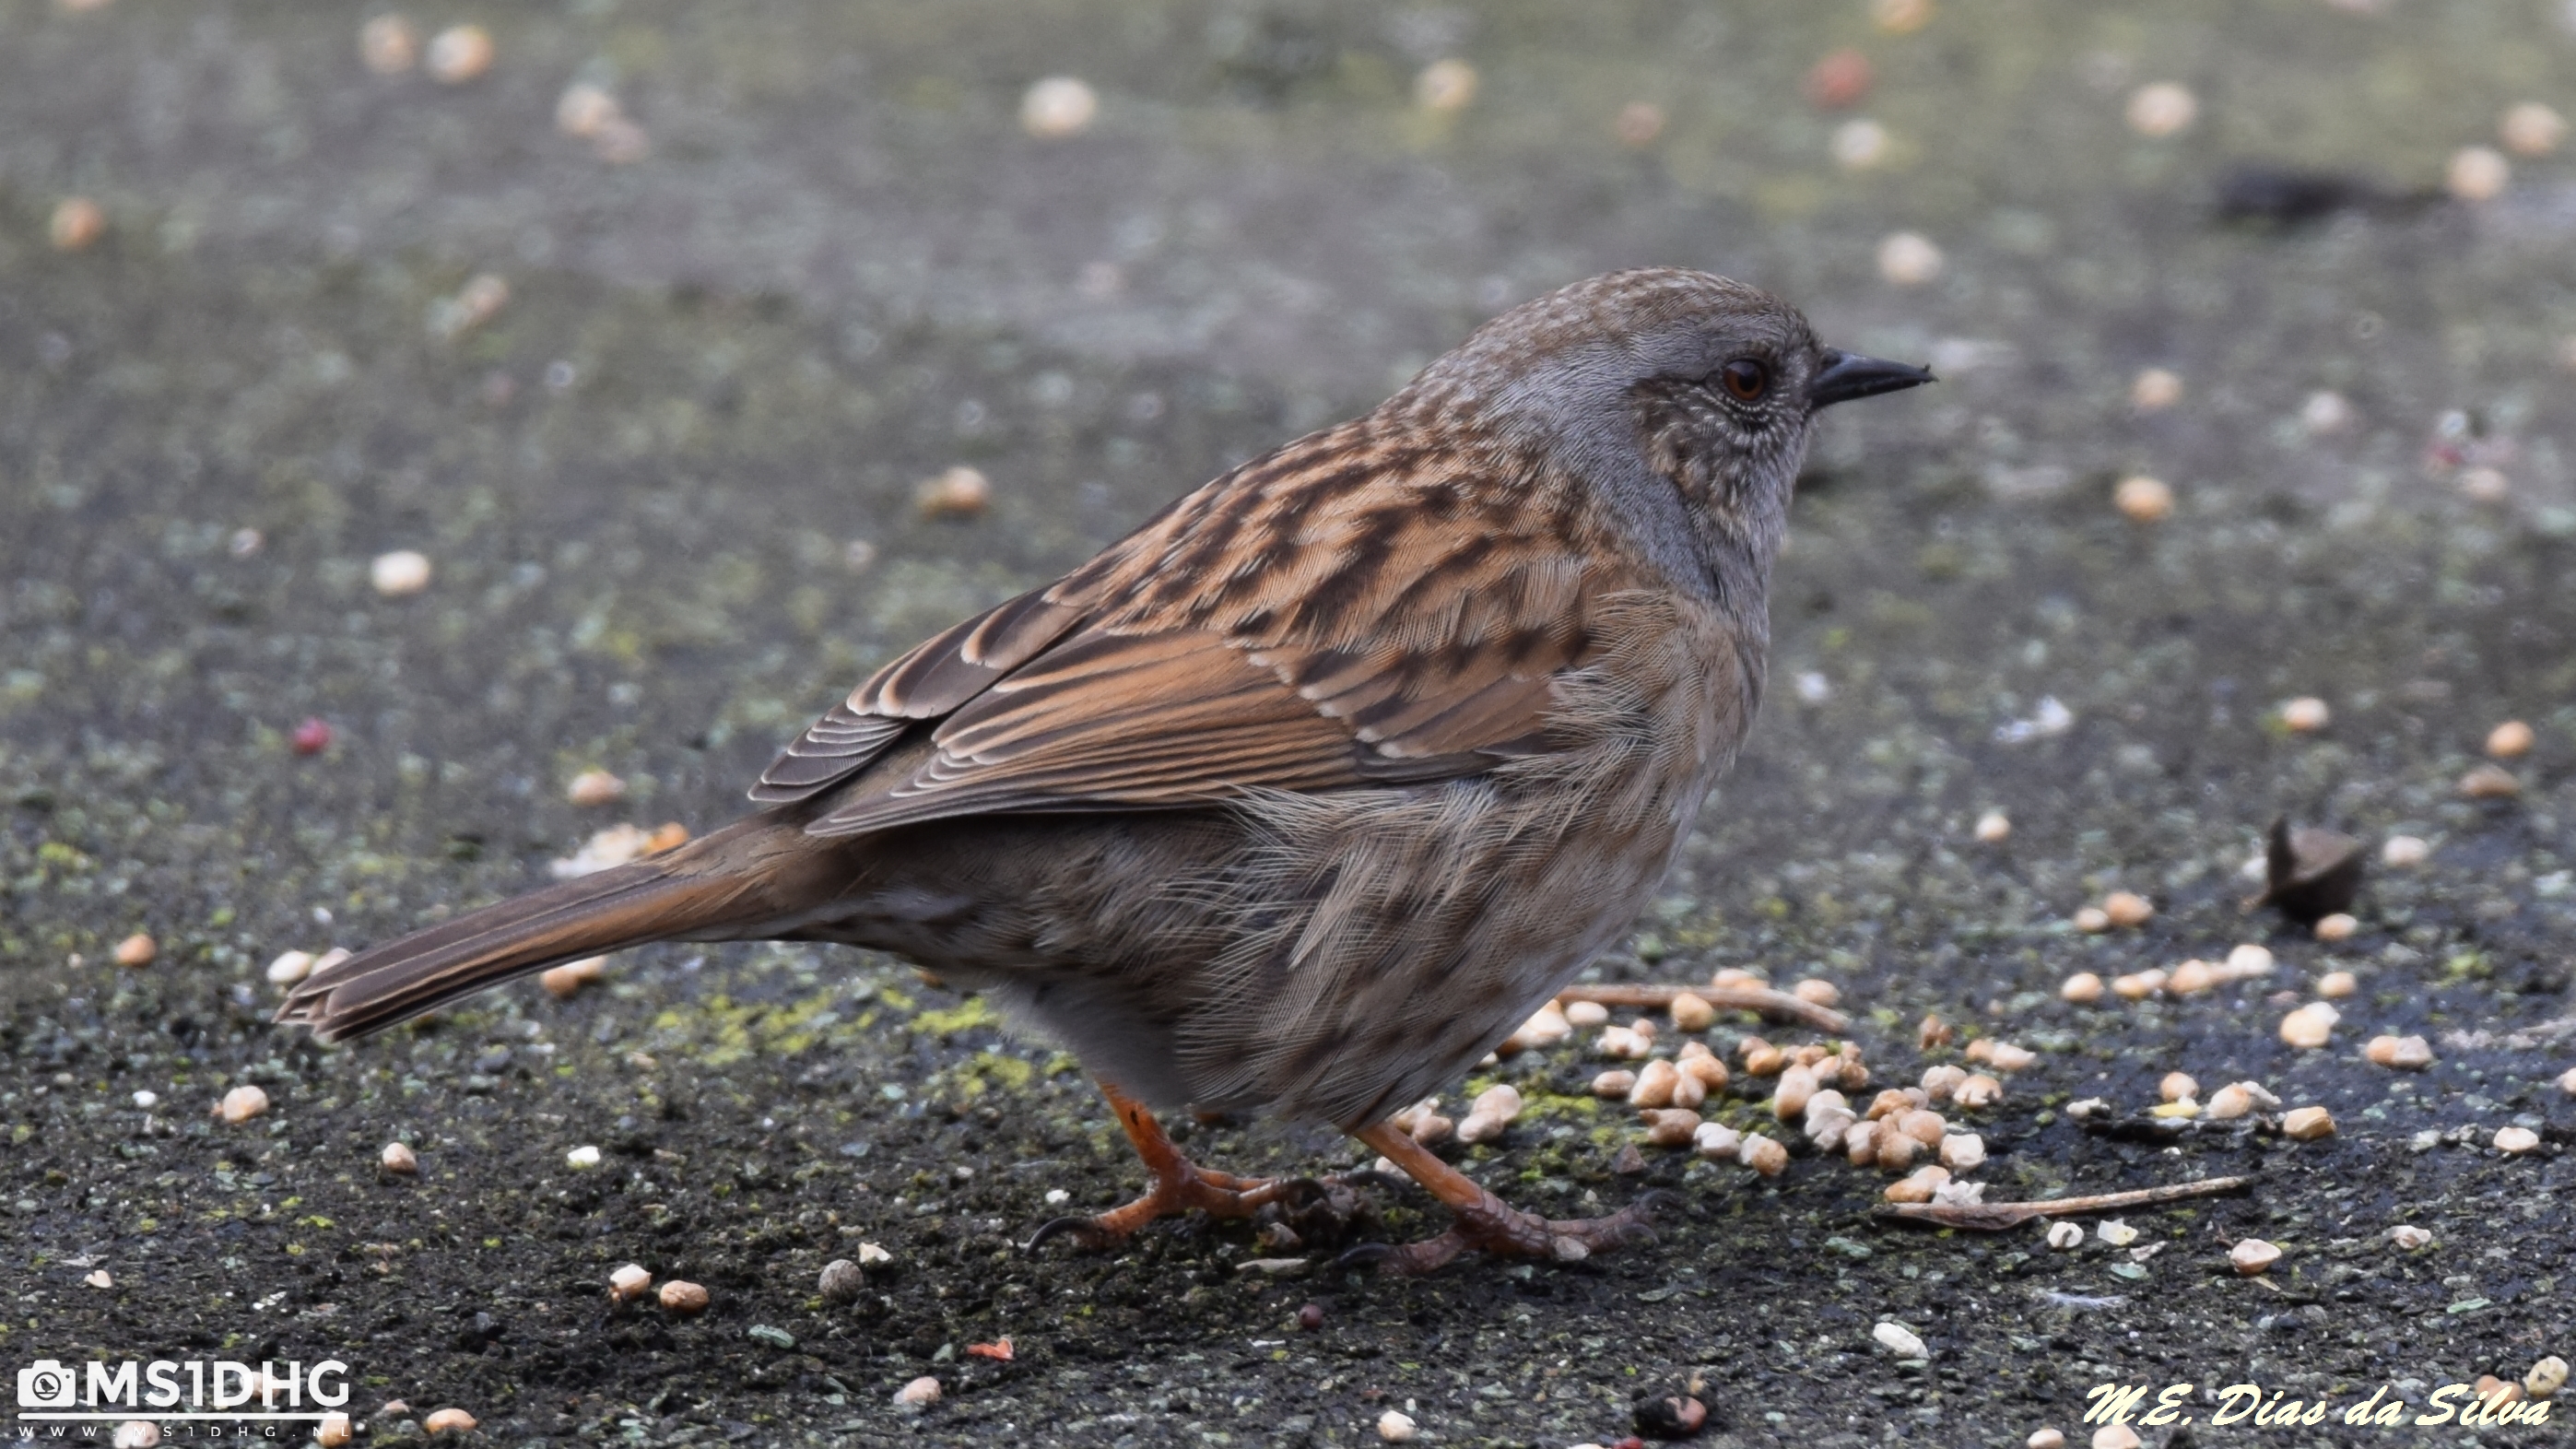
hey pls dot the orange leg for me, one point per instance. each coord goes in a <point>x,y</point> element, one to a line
<point>1179,1185</point>
<point>1486,1221</point>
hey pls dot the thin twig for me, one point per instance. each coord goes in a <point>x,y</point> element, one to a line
<point>1761,1000</point>
<point>1995,1217</point>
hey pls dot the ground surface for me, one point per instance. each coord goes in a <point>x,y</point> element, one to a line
<point>844,268</point>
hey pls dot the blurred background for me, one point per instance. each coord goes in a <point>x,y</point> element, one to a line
<point>430,437</point>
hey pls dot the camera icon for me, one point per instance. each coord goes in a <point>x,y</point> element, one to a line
<point>50,1384</point>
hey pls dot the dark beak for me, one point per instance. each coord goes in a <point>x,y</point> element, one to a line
<point>1846,376</point>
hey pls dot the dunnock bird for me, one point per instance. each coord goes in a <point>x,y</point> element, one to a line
<point>1303,795</point>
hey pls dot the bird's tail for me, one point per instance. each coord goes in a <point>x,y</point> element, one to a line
<point>648,900</point>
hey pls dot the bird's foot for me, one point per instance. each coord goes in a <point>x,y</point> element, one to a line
<point>1178,1187</point>
<point>1487,1223</point>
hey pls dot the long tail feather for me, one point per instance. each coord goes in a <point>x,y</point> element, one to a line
<point>628,905</point>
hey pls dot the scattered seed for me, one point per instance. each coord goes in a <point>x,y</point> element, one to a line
<point>1654,1086</point>
<point>311,737</point>
<point>628,1283</point>
<point>77,221</point>
<point>2404,852</point>
<point>1923,1126</point>
<point>401,572</point>
<point>2154,390</point>
<point>1897,1339</point>
<point>959,493</point>
<point>1545,1029</point>
<point>586,110</point>
<point>2546,1378</point>
<point>1697,1062</point>
<point>1640,124</point>
<point>1859,144</point>
<point>2531,129</point>
<point>459,54</point>
<point>1395,1427</point>
<point>290,967</point>
<point>2115,1232</point>
<point>398,1157</point>
<point>2490,782</point>
<point>1765,1060</point>
<point>1445,87</point>
<point>1860,1142</point>
<point>2496,1392</point>
<point>2483,485</point>
<point>2083,988</point>
<point>241,1104</point>
<point>595,787</point>
<point>2476,173</point>
<point>1963,1151</point>
<point>1940,1081</point>
<point>334,1430</point>
<point>1614,1084</point>
<point>2182,1110</point>
<point>2162,109</point>
<point>1693,1013</point>
<point>1994,827</point>
<point>1900,17</point>
<point>2306,714</point>
<point>448,1421</point>
<point>2116,1436</point>
<point>1979,1090</point>
<point>921,1393</point>
<point>1671,1126</point>
<point>2177,1086</point>
<point>2142,499</point>
<point>1503,1101</point>
<point>2229,1103</point>
<point>569,978</point>
<point>2567,1081</point>
<point>388,45</point>
<point>685,1298</point>
<point>2307,1124</point>
<point>2192,978</point>
<point>1310,1317</point>
<point>137,950</point>
<point>1763,1155</point>
<point>2325,412</point>
<point>1895,1150</point>
<point>2092,920</point>
<point>582,1159</point>
<point>2065,1237</point>
<point>2127,908</point>
<point>1821,992</point>
<point>1839,80</point>
<point>870,1255</point>
<point>2045,1439</point>
<point>2007,1057</point>
<point>1908,259</point>
<point>2517,1140</point>
<point>1058,106</point>
<point>2138,985</point>
<point>2310,1026</point>
<point>1797,1085</point>
<point>2247,960</point>
<point>1918,1185</point>
<point>2336,927</point>
<point>2509,740</point>
<point>2252,1255</point>
<point>2409,1237</point>
<point>1587,1014</point>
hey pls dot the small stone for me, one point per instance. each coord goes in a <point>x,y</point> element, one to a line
<point>1640,124</point>
<point>1310,1318</point>
<point>1671,1127</point>
<point>2336,927</point>
<point>2476,173</point>
<point>595,787</point>
<point>1057,107</point>
<point>2154,390</point>
<point>2407,1237</point>
<point>241,1104</point>
<point>1654,1086</point>
<point>958,493</point>
<point>2162,109</point>
<point>841,1281</point>
<point>1395,1427</point>
<point>2510,740</point>
<point>1763,1155</point>
<point>400,573</point>
<point>2516,1140</point>
<point>147,1099</point>
<point>1445,87</point>
<point>2116,1232</point>
<point>100,1279</point>
<point>2307,1124</point>
<point>2546,1378</point>
<point>1817,991</point>
<point>77,221</point>
<point>398,1158</point>
<point>684,1298</point>
<point>1897,1339</point>
<point>2404,852</point>
<point>1908,259</point>
<point>2142,499</point>
<point>2309,1026</point>
<point>870,1255</point>
<point>334,1430</point>
<point>1692,1013</point>
<point>1586,1015</point>
<point>448,1421</point>
<point>2252,1255</point>
<point>2065,1237</point>
<point>2531,129</point>
<point>1979,1090</point>
<point>921,1393</point>
<point>1859,144</point>
<point>2306,714</point>
<point>2229,1103</point>
<point>459,54</point>
<point>2405,1054</point>
<point>2083,988</point>
<point>582,1159</point>
<point>1963,1151</point>
<point>568,979</point>
<point>628,1283</point>
<point>137,950</point>
<point>1614,1084</point>
<point>388,45</point>
<point>1918,1185</point>
<point>1839,80</point>
<point>2045,1439</point>
<point>2177,1086</point>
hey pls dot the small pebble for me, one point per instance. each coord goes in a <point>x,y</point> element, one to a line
<point>628,1283</point>
<point>2306,714</point>
<point>1908,259</point>
<point>2404,852</point>
<point>569,978</point>
<point>2045,1439</point>
<point>921,1393</point>
<point>1897,1339</point>
<point>1859,144</point>
<point>399,573</point>
<point>2083,988</point>
<point>2509,740</point>
<point>2229,1103</point>
<point>241,1104</point>
<point>684,1298</point>
<point>2127,908</point>
<point>1587,1014</point>
<point>311,737</point>
<point>595,787</point>
<point>2142,499</point>
<point>2336,927</point>
<point>1058,106</point>
<point>1640,124</point>
<point>1994,827</point>
<point>2517,1140</point>
<point>1395,1427</point>
<point>2065,1237</point>
<point>2307,1124</point>
<point>2252,1255</point>
<point>2476,173</point>
<point>582,1159</point>
<point>2408,1237</point>
<point>2546,1378</point>
<point>388,45</point>
<point>2162,109</point>
<point>2154,390</point>
<point>870,1255</point>
<point>1310,1318</point>
<point>959,493</point>
<point>334,1430</point>
<point>448,1421</point>
<point>398,1157</point>
<point>1614,1084</point>
<point>2310,1026</point>
<point>459,54</point>
<point>2490,782</point>
<point>1900,17</point>
<point>77,221</point>
<point>1716,1141</point>
<point>2325,412</point>
<point>1692,1013</point>
<point>1763,1155</point>
<point>1963,1151</point>
<point>1819,992</point>
<point>1445,87</point>
<point>147,1099</point>
<point>841,1281</point>
<point>2531,129</point>
<point>137,950</point>
<point>1839,80</point>
<point>2116,1232</point>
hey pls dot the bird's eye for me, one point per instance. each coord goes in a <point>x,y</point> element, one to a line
<point>1746,379</point>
